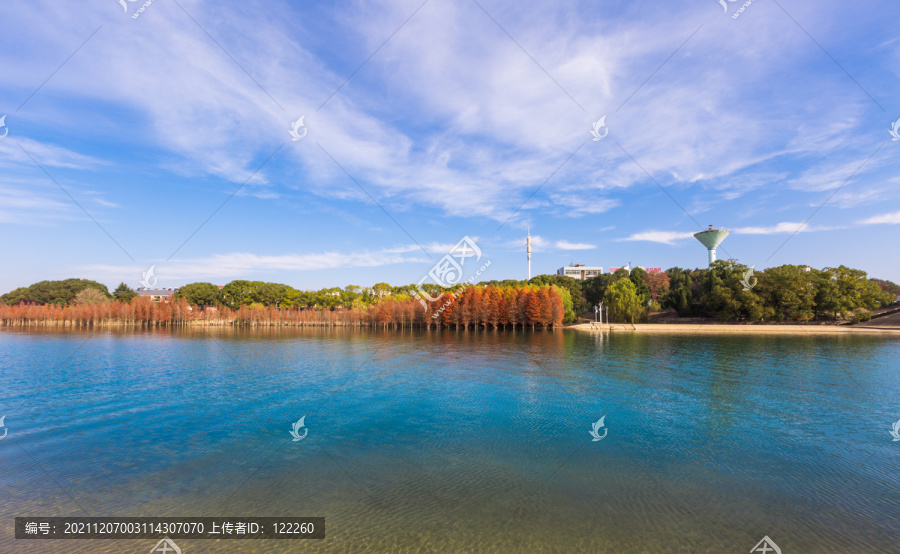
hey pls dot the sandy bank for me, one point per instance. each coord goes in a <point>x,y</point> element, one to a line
<point>737,329</point>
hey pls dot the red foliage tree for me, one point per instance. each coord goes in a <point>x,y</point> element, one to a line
<point>658,283</point>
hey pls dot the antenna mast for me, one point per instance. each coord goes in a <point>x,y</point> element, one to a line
<point>528,250</point>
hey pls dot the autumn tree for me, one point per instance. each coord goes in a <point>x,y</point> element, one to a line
<point>90,296</point>
<point>658,283</point>
<point>546,307</point>
<point>558,311</point>
<point>532,308</point>
<point>512,307</point>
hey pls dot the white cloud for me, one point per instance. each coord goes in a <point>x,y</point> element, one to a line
<point>785,227</point>
<point>220,267</point>
<point>450,113</point>
<point>566,245</point>
<point>893,218</point>
<point>50,155</point>
<point>542,244</point>
<point>663,237</point>
<point>27,207</point>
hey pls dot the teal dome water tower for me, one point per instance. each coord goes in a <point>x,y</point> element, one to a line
<point>711,238</point>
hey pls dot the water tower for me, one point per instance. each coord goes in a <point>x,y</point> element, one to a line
<point>711,238</point>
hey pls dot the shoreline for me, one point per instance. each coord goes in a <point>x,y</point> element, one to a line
<point>691,328</point>
<point>725,328</point>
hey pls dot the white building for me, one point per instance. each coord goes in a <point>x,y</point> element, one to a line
<point>580,271</point>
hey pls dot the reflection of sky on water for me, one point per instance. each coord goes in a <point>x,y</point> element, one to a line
<point>466,440</point>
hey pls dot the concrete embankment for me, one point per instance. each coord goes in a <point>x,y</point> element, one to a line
<point>737,329</point>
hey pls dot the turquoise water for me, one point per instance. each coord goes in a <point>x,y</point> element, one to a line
<point>428,441</point>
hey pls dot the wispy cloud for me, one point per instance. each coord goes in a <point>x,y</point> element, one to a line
<point>27,207</point>
<point>50,155</point>
<point>785,227</point>
<point>449,124</point>
<point>566,245</point>
<point>224,267</point>
<point>662,237</point>
<point>892,218</point>
<point>421,129</point>
<point>542,244</point>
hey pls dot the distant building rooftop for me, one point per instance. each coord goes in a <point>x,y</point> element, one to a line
<point>156,294</point>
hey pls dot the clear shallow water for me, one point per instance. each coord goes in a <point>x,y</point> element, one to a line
<point>459,441</point>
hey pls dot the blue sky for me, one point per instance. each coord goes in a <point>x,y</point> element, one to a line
<point>164,139</point>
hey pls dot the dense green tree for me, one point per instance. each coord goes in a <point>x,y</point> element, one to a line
<point>274,294</point>
<point>381,289</point>
<point>638,278</point>
<point>788,291</point>
<point>857,291</point>
<point>239,292</point>
<point>623,301</point>
<point>733,295</point>
<point>594,289</point>
<point>684,303</point>
<point>827,303</point>
<point>680,296</point>
<point>48,291</point>
<point>123,293</point>
<point>543,280</point>
<point>574,286</point>
<point>200,294</point>
<point>292,298</point>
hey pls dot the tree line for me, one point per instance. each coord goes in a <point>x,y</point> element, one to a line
<point>730,291</point>
<point>726,291</point>
<point>243,304</point>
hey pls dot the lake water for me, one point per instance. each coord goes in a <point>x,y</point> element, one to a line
<point>452,441</point>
